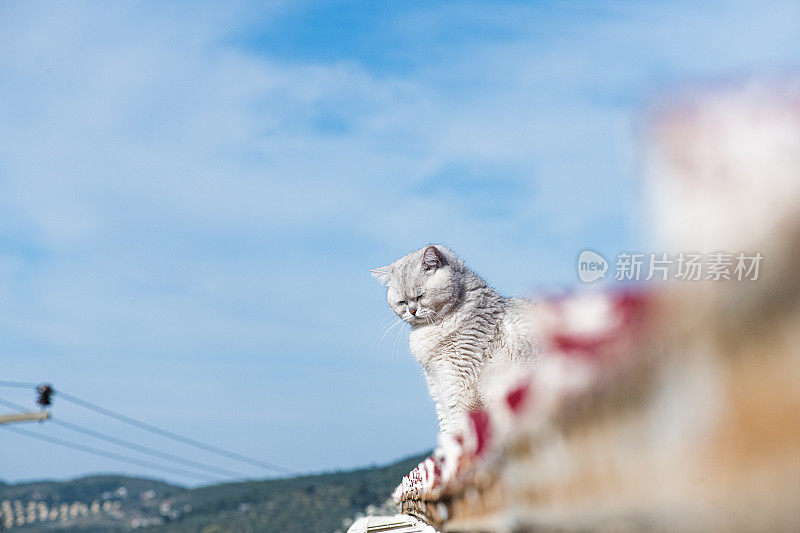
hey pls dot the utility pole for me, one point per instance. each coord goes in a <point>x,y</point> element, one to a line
<point>43,398</point>
<point>24,417</point>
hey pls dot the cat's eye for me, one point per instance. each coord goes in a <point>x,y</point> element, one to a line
<point>402,302</point>
<point>420,296</point>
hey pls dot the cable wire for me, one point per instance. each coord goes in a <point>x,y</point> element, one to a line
<point>18,384</point>
<point>14,405</point>
<point>170,435</point>
<point>104,453</point>
<point>156,430</point>
<point>130,445</point>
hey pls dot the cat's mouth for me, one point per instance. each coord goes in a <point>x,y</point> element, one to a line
<point>411,319</point>
<point>420,318</point>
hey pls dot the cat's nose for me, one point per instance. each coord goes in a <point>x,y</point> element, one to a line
<point>412,311</point>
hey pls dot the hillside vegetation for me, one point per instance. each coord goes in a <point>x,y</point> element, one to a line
<point>303,504</point>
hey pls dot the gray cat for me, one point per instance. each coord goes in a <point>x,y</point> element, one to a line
<point>462,330</point>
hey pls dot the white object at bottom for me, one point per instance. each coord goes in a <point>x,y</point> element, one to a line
<point>390,524</point>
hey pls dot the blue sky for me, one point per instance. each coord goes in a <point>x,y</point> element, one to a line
<point>191,195</point>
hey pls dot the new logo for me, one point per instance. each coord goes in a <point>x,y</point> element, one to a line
<point>591,266</point>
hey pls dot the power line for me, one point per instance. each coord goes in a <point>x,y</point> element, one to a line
<point>130,445</point>
<point>18,384</point>
<point>144,449</point>
<point>170,435</point>
<point>104,453</point>
<point>156,430</point>
<point>14,405</point>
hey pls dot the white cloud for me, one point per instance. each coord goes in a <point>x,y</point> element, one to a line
<point>181,213</point>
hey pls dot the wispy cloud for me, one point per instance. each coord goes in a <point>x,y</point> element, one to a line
<point>190,196</point>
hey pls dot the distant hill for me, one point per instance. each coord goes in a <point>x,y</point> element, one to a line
<point>304,504</point>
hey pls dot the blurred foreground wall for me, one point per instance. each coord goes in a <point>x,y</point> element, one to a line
<point>666,406</point>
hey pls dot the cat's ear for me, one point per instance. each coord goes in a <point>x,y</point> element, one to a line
<point>432,258</point>
<point>382,274</point>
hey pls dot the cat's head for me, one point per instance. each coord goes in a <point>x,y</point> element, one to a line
<point>423,286</point>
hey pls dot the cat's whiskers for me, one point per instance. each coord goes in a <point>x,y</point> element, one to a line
<point>431,318</point>
<point>396,340</point>
<point>385,329</point>
<point>394,324</point>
